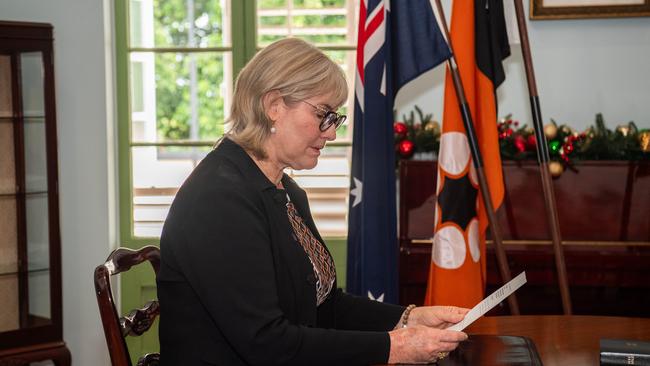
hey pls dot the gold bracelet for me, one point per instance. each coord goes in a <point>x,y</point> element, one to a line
<point>405,316</point>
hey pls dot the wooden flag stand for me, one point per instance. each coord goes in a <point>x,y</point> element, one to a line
<point>478,163</point>
<point>543,159</point>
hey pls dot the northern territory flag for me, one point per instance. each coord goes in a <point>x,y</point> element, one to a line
<point>480,43</point>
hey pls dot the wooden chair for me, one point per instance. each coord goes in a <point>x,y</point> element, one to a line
<point>137,321</point>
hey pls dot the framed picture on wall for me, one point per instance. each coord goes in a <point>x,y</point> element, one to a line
<point>572,9</point>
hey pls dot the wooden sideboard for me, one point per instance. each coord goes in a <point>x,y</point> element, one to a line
<point>604,211</point>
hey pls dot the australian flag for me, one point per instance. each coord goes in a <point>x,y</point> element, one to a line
<point>398,40</point>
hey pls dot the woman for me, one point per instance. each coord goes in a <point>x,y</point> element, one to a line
<point>245,278</point>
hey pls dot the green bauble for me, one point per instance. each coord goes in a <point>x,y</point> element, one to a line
<point>554,146</point>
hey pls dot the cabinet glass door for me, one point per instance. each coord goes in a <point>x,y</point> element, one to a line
<point>9,299</point>
<point>37,240</point>
<point>25,299</point>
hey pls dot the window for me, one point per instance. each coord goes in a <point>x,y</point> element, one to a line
<point>177,60</point>
<point>331,25</point>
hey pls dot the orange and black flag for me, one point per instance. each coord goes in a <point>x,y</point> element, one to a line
<point>480,43</point>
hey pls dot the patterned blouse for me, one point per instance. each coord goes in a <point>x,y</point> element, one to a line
<point>319,257</point>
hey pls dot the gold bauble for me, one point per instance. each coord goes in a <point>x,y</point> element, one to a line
<point>434,127</point>
<point>550,131</point>
<point>644,140</point>
<point>623,130</point>
<point>555,168</point>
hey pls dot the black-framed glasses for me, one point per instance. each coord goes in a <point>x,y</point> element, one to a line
<point>328,118</point>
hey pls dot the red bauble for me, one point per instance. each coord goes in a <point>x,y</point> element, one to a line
<point>568,148</point>
<point>400,129</point>
<point>564,156</point>
<point>520,143</point>
<point>406,148</point>
<point>531,142</point>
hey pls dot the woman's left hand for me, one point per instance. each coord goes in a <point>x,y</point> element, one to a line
<point>439,317</point>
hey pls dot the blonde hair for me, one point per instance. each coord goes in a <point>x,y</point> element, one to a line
<point>292,67</point>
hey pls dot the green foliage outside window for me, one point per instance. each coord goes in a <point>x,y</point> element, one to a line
<point>316,39</point>
<point>273,21</point>
<point>319,20</point>
<point>266,4</point>
<point>311,4</point>
<point>172,25</point>
<point>172,29</point>
<point>317,3</point>
<point>173,95</point>
<point>173,108</point>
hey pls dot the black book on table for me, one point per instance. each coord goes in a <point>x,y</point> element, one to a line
<point>624,352</point>
<point>494,350</point>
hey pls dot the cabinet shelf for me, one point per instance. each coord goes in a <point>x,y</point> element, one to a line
<point>39,118</point>
<point>17,272</point>
<point>27,194</point>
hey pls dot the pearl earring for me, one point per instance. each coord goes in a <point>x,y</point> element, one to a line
<point>272,129</point>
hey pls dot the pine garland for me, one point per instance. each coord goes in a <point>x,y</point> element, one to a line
<point>566,145</point>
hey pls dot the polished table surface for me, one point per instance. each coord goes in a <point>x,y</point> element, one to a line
<point>565,340</point>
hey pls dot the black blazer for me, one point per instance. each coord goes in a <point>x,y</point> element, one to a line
<point>236,288</point>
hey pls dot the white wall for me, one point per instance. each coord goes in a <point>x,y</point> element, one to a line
<point>582,67</point>
<point>86,150</point>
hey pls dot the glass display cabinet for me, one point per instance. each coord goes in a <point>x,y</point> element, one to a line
<point>30,246</point>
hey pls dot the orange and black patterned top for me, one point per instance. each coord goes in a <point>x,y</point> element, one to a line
<point>319,257</point>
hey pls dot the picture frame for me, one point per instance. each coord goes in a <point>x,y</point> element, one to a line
<point>576,9</point>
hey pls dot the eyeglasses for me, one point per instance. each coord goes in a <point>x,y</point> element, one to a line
<point>328,118</point>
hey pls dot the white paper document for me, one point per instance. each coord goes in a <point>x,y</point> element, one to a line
<point>490,302</point>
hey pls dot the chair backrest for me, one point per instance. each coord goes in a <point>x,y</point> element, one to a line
<point>137,321</point>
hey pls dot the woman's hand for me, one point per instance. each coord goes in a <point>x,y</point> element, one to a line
<point>439,317</point>
<point>420,344</point>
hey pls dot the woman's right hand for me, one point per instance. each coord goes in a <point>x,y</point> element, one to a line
<point>421,344</point>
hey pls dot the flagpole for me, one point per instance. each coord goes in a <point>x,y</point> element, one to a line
<point>543,159</point>
<point>478,163</point>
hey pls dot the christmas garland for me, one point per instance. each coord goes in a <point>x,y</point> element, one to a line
<point>518,142</point>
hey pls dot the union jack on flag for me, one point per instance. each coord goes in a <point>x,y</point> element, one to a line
<point>398,40</point>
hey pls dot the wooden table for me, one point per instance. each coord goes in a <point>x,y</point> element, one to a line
<point>565,340</point>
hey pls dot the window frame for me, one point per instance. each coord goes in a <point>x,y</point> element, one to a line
<point>243,47</point>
